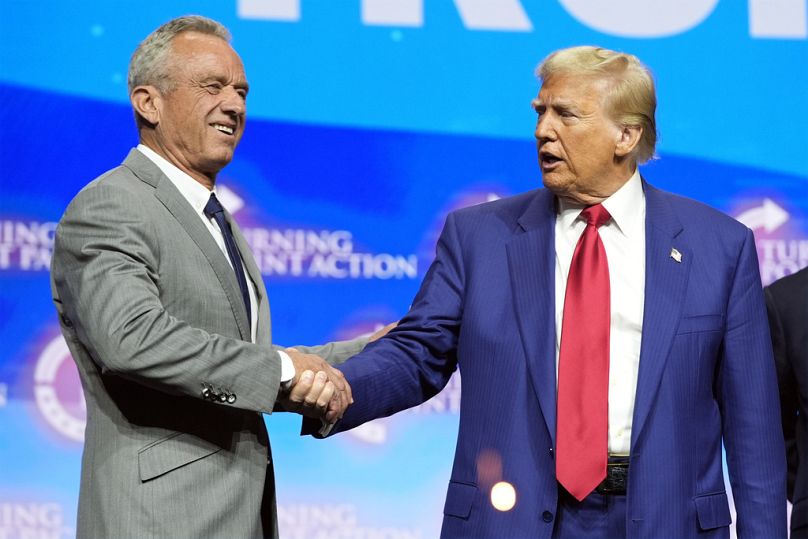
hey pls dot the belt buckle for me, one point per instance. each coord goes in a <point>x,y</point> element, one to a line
<point>616,479</point>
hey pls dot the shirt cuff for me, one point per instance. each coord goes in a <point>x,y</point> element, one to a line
<point>287,370</point>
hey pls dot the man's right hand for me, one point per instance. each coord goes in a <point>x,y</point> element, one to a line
<point>317,390</point>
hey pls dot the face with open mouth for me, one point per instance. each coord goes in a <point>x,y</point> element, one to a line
<point>201,119</point>
<point>576,139</point>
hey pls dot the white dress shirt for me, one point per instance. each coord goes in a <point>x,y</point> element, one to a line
<point>623,239</point>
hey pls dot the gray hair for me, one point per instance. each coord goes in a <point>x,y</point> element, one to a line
<point>631,98</point>
<point>150,63</point>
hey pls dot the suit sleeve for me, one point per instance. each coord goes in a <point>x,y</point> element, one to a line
<point>787,383</point>
<point>747,394</point>
<point>105,274</point>
<point>334,353</point>
<point>415,360</point>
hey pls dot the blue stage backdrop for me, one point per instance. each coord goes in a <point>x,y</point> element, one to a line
<point>369,120</point>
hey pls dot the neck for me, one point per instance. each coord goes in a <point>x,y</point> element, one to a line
<point>207,180</point>
<point>602,191</point>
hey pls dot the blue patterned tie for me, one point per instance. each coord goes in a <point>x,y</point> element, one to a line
<point>214,209</point>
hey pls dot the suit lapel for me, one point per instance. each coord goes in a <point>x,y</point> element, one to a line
<point>531,262</point>
<point>179,208</point>
<point>665,288</point>
<point>262,334</point>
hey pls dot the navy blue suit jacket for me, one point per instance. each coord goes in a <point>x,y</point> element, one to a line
<point>706,372</point>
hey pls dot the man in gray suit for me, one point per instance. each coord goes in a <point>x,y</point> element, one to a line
<point>167,317</point>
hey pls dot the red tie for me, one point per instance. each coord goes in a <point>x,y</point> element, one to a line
<point>583,364</point>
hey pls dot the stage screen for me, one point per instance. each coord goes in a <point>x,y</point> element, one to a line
<point>368,121</point>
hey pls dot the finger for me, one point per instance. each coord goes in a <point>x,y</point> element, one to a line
<point>326,395</point>
<point>332,416</point>
<point>342,403</point>
<point>337,377</point>
<point>382,332</point>
<point>301,388</point>
<point>334,411</point>
<point>320,380</point>
<point>348,392</point>
<point>346,386</point>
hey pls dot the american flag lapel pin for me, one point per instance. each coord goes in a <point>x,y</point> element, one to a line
<point>676,255</point>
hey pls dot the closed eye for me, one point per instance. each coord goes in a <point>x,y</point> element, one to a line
<point>214,87</point>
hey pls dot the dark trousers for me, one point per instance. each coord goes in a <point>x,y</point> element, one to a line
<point>598,516</point>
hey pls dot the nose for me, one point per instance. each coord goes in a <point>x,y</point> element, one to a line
<point>544,129</point>
<point>233,102</point>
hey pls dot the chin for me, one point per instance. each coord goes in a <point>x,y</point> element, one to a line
<point>221,159</point>
<point>554,183</point>
<point>212,167</point>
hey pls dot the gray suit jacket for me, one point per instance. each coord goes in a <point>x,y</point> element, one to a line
<point>152,314</point>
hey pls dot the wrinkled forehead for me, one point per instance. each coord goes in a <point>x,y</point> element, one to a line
<point>197,50</point>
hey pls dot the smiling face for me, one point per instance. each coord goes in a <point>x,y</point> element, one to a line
<point>582,152</point>
<point>198,122</point>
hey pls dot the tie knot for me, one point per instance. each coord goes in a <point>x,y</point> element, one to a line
<point>213,206</point>
<point>595,215</point>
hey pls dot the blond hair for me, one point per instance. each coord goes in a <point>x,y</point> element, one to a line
<point>631,97</point>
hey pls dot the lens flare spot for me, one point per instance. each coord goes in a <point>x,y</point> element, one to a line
<point>503,496</point>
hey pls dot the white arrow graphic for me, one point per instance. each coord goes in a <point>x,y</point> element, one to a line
<point>374,432</point>
<point>229,199</point>
<point>768,216</point>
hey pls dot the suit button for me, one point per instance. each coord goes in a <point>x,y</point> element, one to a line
<point>547,516</point>
<point>231,398</point>
<point>205,392</point>
<point>222,397</point>
<point>552,454</point>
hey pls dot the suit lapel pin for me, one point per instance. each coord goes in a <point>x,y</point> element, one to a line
<point>676,255</point>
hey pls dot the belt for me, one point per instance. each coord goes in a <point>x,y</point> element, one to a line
<point>616,477</point>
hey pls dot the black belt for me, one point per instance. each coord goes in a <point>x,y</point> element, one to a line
<point>616,480</point>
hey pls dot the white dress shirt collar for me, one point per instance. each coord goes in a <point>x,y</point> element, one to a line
<point>622,206</point>
<point>194,192</point>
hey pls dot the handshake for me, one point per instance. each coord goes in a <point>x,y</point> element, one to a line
<point>318,390</point>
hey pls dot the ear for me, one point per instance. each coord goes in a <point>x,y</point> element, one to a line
<point>628,140</point>
<point>146,100</point>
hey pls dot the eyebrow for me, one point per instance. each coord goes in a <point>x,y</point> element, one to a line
<point>223,80</point>
<point>562,104</point>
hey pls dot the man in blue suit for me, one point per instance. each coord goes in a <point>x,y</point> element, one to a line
<point>610,336</point>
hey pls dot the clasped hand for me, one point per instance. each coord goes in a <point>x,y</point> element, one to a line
<point>318,390</point>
